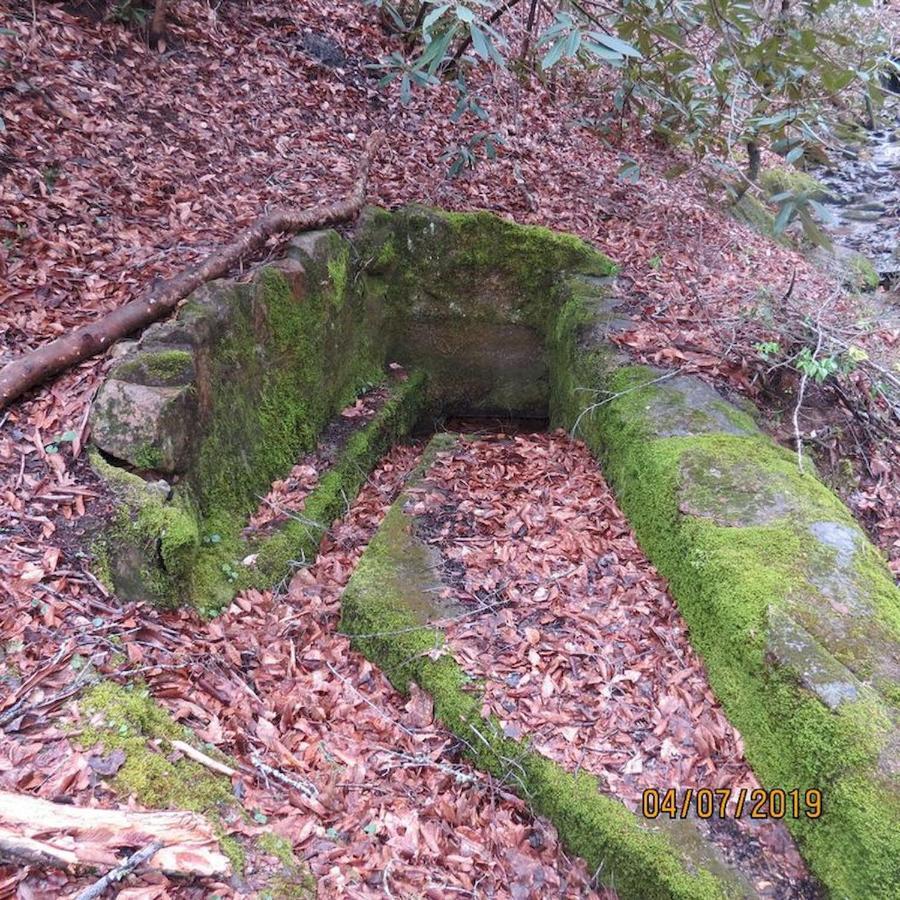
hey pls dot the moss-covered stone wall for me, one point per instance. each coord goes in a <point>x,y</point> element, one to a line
<point>469,299</point>
<point>793,610</point>
<point>207,410</point>
<point>388,609</point>
<point>223,400</point>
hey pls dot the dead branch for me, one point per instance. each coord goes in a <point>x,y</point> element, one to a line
<point>16,848</point>
<point>203,759</point>
<point>98,888</point>
<point>162,297</point>
<point>59,834</point>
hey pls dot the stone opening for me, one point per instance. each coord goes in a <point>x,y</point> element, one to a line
<point>221,402</point>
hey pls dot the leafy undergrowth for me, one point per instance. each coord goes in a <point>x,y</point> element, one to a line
<point>575,640</point>
<point>334,766</point>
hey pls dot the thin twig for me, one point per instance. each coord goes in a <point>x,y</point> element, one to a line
<point>136,859</point>
<point>308,789</point>
<point>618,394</point>
<point>367,701</point>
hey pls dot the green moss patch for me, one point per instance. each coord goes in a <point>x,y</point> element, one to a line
<point>864,274</point>
<point>293,881</point>
<point>780,180</point>
<point>164,368</point>
<point>150,548</point>
<point>218,572</point>
<point>126,719</point>
<point>299,538</point>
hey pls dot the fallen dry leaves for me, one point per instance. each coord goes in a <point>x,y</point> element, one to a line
<point>575,637</point>
<point>119,165</point>
<point>368,789</point>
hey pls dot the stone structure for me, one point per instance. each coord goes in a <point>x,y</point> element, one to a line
<point>793,610</point>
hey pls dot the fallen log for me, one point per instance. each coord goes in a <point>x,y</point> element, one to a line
<point>161,298</point>
<point>57,834</point>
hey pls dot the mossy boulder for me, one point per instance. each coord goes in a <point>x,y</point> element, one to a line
<point>780,180</point>
<point>793,610</point>
<point>149,426</point>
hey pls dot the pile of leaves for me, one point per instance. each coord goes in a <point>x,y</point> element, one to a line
<point>360,780</point>
<point>576,640</point>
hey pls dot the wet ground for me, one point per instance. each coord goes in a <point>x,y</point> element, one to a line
<point>864,197</point>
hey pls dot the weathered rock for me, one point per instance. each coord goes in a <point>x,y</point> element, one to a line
<point>793,610</point>
<point>685,406</point>
<point>323,48</point>
<point>731,492</point>
<point>147,426</point>
<point>794,648</point>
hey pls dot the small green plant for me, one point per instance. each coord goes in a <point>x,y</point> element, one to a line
<point>129,12</point>
<point>465,156</point>
<point>768,350</point>
<point>67,437</point>
<point>815,367</point>
<point>655,262</point>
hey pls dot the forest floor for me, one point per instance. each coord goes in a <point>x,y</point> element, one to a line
<point>119,165</point>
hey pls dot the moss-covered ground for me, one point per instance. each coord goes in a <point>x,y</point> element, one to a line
<point>126,719</point>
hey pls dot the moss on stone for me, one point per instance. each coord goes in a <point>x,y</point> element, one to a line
<point>270,407</point>
<point>338,273</point>
<point>148,457</point>
<point>387,255</point>
<point>473,266</point>
<point>218,572</point>
<point>160,367</point>
<point>779,180</point>
<point>725,580</point>
<point>294,881</point>
<point>758,216</point>
<point>151,541</point>
<point>864,273</point>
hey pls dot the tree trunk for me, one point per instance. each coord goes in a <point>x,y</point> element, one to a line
<point>161,298</point>
<point>754,160</point>
<point>529,28</point>
<point>158,24</point>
